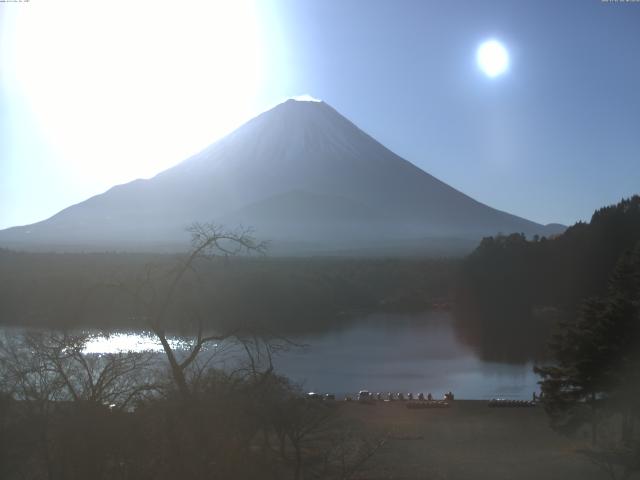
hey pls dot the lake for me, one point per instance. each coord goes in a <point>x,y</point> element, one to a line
<point>381,353</point>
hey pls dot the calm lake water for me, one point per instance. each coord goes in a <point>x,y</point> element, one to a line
<point>382,353</point>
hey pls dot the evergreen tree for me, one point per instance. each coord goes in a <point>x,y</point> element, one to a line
<point>596,378</point>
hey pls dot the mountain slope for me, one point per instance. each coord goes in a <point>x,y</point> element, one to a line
<point>298,172</point>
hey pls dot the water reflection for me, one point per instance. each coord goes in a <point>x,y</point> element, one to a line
<point>380,352</point>
<point>403,353</point>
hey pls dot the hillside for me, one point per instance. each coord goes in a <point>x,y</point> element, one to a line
<point>513,290</point>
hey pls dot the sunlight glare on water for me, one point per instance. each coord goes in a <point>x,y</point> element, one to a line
<point>380,352</point>
<point>128,342</point>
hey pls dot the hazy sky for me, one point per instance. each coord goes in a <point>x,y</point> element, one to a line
<point>98,93</point>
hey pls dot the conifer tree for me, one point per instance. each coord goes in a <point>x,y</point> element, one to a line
<point>595,380</point>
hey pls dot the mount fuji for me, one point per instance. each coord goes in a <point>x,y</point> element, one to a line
<point>302,176</point>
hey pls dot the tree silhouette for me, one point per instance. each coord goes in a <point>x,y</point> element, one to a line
<point>596,378</point>
<point>155,292</point>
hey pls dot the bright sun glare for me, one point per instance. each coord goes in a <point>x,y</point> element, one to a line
<point>124,89</point>
<point>493,58</point>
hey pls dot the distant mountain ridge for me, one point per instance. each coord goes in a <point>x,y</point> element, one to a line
<point>300,174</point>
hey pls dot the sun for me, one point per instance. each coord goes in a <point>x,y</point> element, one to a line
<point>492,58</point>
<point>124,90</point>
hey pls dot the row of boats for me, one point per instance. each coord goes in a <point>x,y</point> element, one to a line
<point>420,401</point>
<point>503,402</point>
<point>365,396</point>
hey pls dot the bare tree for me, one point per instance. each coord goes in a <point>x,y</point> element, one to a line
<point>348,454</point>
<point>66,406</point>
<point>314,441</point>
<point>155,295</point>
<point>42,367</point>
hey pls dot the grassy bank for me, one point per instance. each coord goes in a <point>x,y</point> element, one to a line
<point>469,440</point>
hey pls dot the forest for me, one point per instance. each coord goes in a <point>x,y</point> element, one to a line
<point>287,295</point>
<point>512,292</point>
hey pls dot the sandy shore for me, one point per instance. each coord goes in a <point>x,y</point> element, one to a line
<point>469,440</point>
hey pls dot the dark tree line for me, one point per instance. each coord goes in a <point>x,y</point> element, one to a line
<point>512,290</point>
<point>288,295</point>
